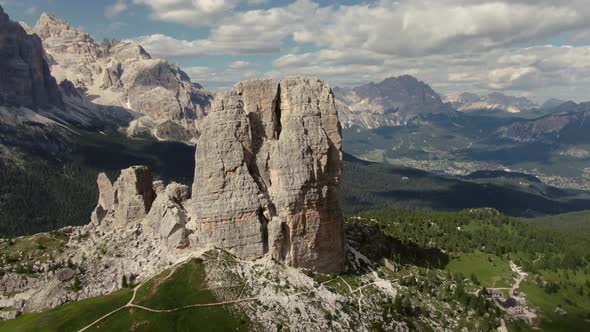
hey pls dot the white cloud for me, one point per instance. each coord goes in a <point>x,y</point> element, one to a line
<point>189,12</point>
<point>165,46</point>
<point>453,44</point>
<point>240,64</point>
<point>115,9</point>
<point>222,79</point>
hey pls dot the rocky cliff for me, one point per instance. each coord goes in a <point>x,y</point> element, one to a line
<point>25,79</point>
<point>124,74</point>
<point>268,171</point>
<point>267,181</point>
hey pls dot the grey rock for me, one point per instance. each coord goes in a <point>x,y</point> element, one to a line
<point>15,283</point>
<point>127,201</point>
<point>26,79</point>
<point>123,74</point>
<point>168,216</point>
<point>268,170</point>
<point>133,195</point>
<point>65,274</point>
<point>106,199</point>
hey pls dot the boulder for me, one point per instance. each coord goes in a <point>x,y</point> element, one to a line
<point>65,274</point>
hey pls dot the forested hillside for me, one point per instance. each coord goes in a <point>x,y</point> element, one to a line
<point>480,244</point>
<point>41,194</point>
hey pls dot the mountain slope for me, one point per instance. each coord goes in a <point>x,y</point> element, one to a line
<point>369,185</point>
<point>569,124</point>
<point>495,101</point>
<point>394,101</point>
<point>123,74</point>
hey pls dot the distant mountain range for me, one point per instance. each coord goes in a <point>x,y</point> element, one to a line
<point>393,102</point>
<point>405,100</point>
<point>568,124</point>
<point>495,101</point>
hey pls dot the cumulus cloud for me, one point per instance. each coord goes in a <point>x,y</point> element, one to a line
<point>165,46</point>
<point>193,12</point>
<point>225,78</point>
<point>453,44</point>
<point>115,9</point>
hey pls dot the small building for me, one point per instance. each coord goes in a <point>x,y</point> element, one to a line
<point>495,293</point>
<point>512,306</point>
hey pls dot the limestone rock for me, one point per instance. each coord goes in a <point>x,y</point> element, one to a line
<point>106,199</point>
<point>123,74</point>
<point>25,79</point>
<point>128,200</point>
<point>268,170</point>
<point>168,216</point>
<point>134,195</point>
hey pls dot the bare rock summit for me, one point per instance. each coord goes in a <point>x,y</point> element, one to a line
<point>123,74</point>
<point>268,171</point>
<point>127,201</point>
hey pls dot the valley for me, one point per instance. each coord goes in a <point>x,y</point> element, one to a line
<point>132,198</point>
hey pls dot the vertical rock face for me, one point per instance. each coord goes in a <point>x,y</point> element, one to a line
<point>127,201</point>
<point>25,79</point>
<point>168,216</point>
<point>268,170</point>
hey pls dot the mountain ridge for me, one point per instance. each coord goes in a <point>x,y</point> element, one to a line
<point>395,101</point>
<point>123,74</point>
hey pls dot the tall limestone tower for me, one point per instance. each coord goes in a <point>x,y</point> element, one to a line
<point>268,172</point>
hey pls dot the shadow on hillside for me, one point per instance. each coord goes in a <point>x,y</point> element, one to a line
<point>370,240</point>
<point>464,195</point>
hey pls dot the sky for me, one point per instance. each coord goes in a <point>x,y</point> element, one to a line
<point>533,48</point>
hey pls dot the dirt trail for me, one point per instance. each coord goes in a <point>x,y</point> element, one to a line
<point>521,276</point>
<point>130,304</point>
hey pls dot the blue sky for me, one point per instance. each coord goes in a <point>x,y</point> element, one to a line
<point>534,48</point>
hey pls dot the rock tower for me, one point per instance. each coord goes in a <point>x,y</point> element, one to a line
<point>268,171</point>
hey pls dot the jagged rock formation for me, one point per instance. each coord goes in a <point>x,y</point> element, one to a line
<point>168,216</point>
<point>25,79</point>
<point>266,186</point>
<point>124,74</point>
<point>268,170</point>
<point>127,201</point>
<point>396,101</point>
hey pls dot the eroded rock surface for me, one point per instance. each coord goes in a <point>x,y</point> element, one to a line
<point>25,79</point>
<point>127,201</point>
<point>268,170</point>
<point>123,74</point>
<point>168,217</point>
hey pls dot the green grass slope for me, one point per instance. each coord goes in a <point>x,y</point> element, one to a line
<point>480,243</point>
<point>175,290</point>
<point>68,317</point>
